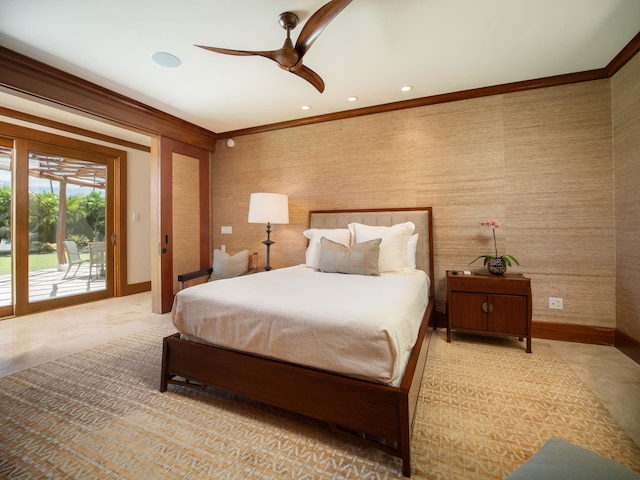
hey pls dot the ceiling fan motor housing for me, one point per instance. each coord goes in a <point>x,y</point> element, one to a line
<point>288,20</point>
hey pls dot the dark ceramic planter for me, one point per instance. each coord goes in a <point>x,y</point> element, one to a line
<point>496,266</point>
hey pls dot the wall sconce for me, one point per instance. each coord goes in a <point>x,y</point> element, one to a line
<point>268,208</point>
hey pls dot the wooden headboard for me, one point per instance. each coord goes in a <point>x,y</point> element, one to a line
<point>421,217</point>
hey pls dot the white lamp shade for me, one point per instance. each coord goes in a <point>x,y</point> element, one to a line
<point>268,208</point>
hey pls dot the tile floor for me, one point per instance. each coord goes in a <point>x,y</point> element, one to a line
<point>35,339</point>
<point>31,340</point>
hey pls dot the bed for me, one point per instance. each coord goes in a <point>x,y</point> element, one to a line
<point>376,408</point>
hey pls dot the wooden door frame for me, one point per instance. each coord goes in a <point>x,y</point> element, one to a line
<point>9,310</point>
<point>23,138</point>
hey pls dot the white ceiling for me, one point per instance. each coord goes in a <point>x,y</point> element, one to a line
<point>370,50</point>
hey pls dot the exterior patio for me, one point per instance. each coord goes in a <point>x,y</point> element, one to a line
<point>50,283</point>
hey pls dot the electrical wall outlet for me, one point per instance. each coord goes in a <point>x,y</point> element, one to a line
<point>555,303</point>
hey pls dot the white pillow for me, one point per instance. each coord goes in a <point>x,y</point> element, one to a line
<point>412,246</point>
<point>227,266</point>
<point>338,235</point>
<point>393,249</point>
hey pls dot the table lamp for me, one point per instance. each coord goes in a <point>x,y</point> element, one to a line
<point>268,208</point>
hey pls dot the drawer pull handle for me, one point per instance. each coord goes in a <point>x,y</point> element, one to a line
<point>487,307</point>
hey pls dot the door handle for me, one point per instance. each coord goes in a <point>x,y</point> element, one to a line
<point>487,307</point>
<point>112,238</point>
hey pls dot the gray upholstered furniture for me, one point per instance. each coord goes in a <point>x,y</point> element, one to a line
<point>561,460</point>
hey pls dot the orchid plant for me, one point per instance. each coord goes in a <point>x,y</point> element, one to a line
<point>494,223</point>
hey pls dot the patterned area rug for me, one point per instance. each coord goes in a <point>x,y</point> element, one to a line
<point>485,407</point>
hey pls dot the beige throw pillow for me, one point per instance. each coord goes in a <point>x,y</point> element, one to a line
<point>393,249</point>
<point>339,235</point>
<point>227,266</point>
<point>359,259</point>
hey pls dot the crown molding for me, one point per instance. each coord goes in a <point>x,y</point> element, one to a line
<point>22,74</point>
<point>25,75</point>
<point>424,101</point>
<point>625,55</point>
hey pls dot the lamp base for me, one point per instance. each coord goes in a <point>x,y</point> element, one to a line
<point>268,242</point>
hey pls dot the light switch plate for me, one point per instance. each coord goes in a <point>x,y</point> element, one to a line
<point>226,230</point>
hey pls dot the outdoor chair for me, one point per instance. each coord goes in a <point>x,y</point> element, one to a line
<point>97,252</point>
<point>73,257</point>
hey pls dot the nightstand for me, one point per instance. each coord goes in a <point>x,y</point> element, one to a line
<point>489,304</point>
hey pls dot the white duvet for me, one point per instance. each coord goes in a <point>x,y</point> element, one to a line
<point>361,326</point>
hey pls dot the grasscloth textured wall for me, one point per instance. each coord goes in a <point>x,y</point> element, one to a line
<point>625,87</point>
<point>185,195</point>
<point>540,161</point>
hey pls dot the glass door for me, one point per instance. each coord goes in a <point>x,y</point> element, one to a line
<point>63,225</point>
<point>6,251</point>
<point>59,209</point>
<point>67,226</point>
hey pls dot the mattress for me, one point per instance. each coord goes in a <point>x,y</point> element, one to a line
<point>356,325</point>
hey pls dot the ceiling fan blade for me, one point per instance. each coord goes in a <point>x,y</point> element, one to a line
<point>317,23</point>
<point>227,51</point>
<point>310,76</point>
<point>285,57</point>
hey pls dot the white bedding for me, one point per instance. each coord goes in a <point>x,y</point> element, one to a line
<point>361,326</point>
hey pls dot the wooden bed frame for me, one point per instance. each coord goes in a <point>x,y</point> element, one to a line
<point>379,415</point>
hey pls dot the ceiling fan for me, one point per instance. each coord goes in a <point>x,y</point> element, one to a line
<point>289,57</point>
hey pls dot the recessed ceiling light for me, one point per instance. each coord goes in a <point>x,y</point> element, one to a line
<point>352,99</point>
<point>407,88</point>
<point>165,59</point>
<point>306,107</point>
